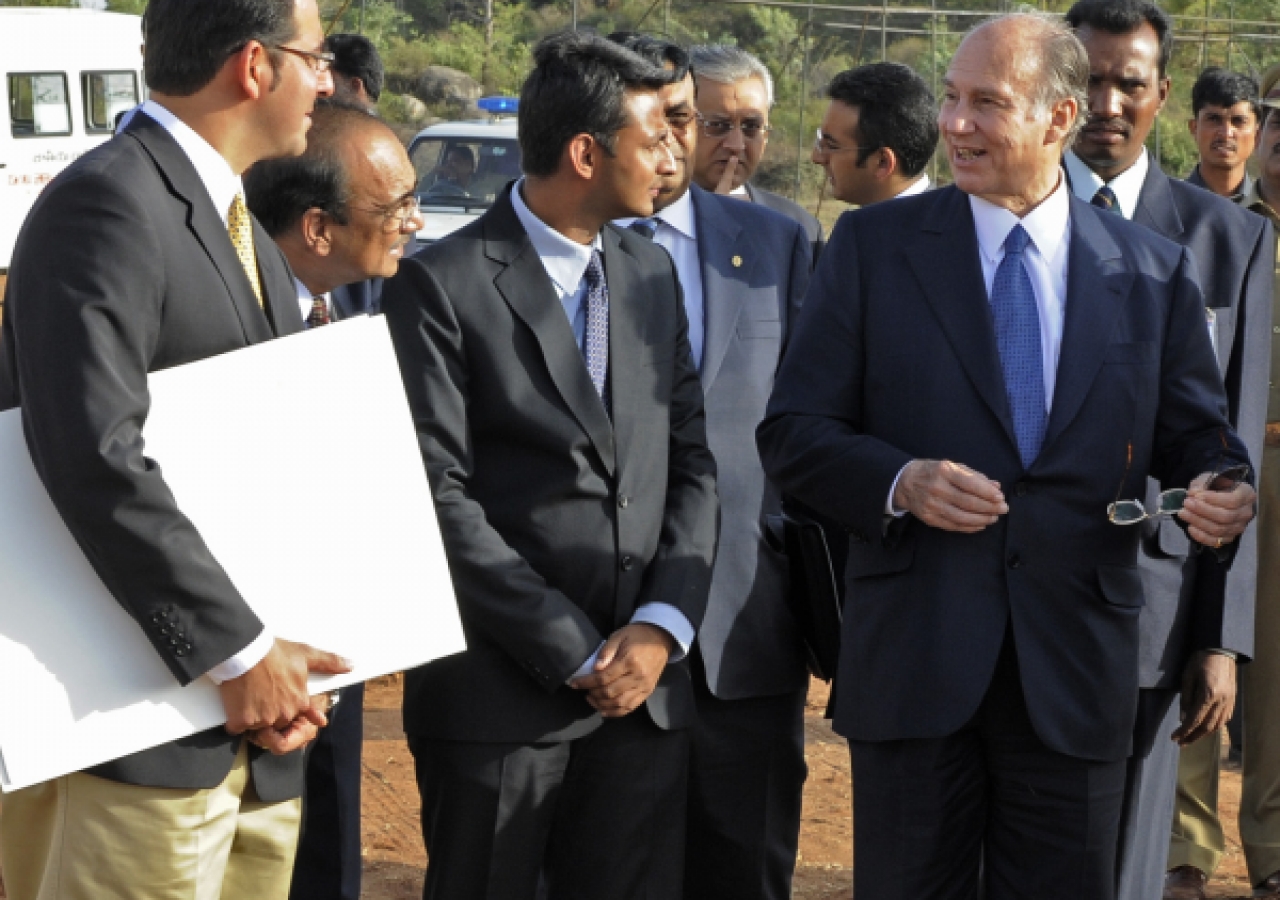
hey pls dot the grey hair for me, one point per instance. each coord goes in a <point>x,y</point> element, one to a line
<point>726,64</point>
<point>1064,65</point>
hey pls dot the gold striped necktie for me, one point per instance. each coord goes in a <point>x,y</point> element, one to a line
<point>240,227</point>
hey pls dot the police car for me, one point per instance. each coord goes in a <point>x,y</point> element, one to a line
<point>461,167</point>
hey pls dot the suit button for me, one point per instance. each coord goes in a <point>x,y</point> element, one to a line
<point>624,501</point>
<point>179,652</point>
<point>1020,489</point>
<point>1015,561</point>
<point>627,563</point>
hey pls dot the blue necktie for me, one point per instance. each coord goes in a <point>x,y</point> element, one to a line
<point>1106,199</point>
<point>1017,320</point>
<point>595,345</point>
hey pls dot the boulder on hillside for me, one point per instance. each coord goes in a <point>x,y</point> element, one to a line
<point>441,86</point>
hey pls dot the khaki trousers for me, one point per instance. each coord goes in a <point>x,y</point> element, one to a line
<point>1197,838</point>
<point>85,838</point>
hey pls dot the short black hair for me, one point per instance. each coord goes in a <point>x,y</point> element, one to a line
<point>895,110</point>
<point>187,42</point>
<point>356,57</point>
<point>462,150</point>
<point>280,191</point>
<point>657,51</point>
<point>1124,16</point>
<point>578,86</point>
<point>1221,87</point>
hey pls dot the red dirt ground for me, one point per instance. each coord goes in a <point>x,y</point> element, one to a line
<point>395,859</point>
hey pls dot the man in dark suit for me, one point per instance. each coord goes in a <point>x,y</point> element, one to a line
<point>546,357</point>
<point>735,94</point>
<point>343,211</point>
<point>142,256</point>
<point>980,377</point>
<point>743,271</point>
<point>1190,634</point>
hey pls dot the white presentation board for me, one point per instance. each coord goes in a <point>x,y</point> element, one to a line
<point>298,463</point>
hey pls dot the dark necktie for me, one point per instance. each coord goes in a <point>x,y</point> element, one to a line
<point>1017,320</point>
<point>595,345</point>
<point>1106,199</point>
<point>645,227</point>
<point>319,312</point>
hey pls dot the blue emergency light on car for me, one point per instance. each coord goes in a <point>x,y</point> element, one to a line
<point>499,106</point>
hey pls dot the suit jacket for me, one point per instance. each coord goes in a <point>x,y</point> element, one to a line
<point>755,269</point>
<point>794,211</point>
<point>1188,608</point>
<point>358,299</point>
<point>123,268</point>
<point>894,359</point>
<point>558,522</point>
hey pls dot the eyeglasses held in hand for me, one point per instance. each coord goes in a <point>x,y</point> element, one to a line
<point>752,129</point>
<point>1131,512</point>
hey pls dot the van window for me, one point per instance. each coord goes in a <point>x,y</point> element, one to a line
<point>38,104</point>
<point>106,95</point>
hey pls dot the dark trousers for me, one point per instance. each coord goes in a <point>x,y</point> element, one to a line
<point>597,818</point>
<point>327,866</point>
<point>931,812</point>
<point>1151,786</point>
<point>746,785</point>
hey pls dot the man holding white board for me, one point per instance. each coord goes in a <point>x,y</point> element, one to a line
<point>139,257</point>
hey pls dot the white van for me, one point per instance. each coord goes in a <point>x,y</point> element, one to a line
<point>65,74</point>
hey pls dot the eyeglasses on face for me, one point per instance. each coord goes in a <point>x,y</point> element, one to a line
<point>752,129</point>
<point>320,60</point>
<point>398,216</point>
<point>823,147</point>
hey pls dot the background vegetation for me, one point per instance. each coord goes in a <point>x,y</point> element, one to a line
<point>489,40</point>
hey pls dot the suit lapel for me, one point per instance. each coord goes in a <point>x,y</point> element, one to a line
<point>1097,285</point>
<point>280,293</point>
<point>524,284</point>
<point>720,241</point>
<point>950,272</point>
<point>1156,208</point>
<point>625,330</point>
<point>204,221</point>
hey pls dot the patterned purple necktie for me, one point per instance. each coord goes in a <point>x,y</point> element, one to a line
<point>1017,321</point>
<point>595,345</point>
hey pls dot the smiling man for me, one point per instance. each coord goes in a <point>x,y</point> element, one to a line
<point>1225,119</point>
<point>547,362</point>
<point>139,257</point>
<point>1196,622</point>
<point>977,373</point>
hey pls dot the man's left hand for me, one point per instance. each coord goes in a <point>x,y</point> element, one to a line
<point>1208,696</point>
<point>627,669</point>
<point>298,733</point>
<point>1215,518</point>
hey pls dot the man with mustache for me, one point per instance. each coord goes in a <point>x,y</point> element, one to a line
<point>1197,619</point>
<point>1198,840</point>
<point>344,212</point>
<point>1226,115</point>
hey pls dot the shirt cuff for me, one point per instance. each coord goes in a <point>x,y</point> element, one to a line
<point>889,508</point>
<point>245,660</point>
<point>586,668</point>
<point>670,620</point>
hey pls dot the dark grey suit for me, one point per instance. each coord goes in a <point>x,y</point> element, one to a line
<point>1188,608</point>
<point>558,522</point>
<point>124,268</point>
<point>794,211</point>
<point>988,682</point>
<point>747,765</point>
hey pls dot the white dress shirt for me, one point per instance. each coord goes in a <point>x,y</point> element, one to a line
<point>1127,186</point>
<point>222,185</point>
<point>306,300</point>
<point>566,262</point>
<point>1045,259</point>
<point>919,186</point>
<point>677,233</point>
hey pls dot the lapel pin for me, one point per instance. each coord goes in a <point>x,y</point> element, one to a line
<point>737,262</point>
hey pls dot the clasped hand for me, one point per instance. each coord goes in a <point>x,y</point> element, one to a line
<point>271,702</point>
<point>627,669</point>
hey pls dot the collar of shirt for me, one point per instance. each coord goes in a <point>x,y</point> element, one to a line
<point>919,186</point>
<point>1127,186</point>
<point>678,216</point>
<point>1238,196</point>
<point>740,191</point>
<point>214,171</point>
<point>566,261</point>
<point>1048,226</point>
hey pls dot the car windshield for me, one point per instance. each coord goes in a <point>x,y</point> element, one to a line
<point>463,172</point>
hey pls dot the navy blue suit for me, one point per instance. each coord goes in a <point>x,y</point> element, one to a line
<point>1021,639</point>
